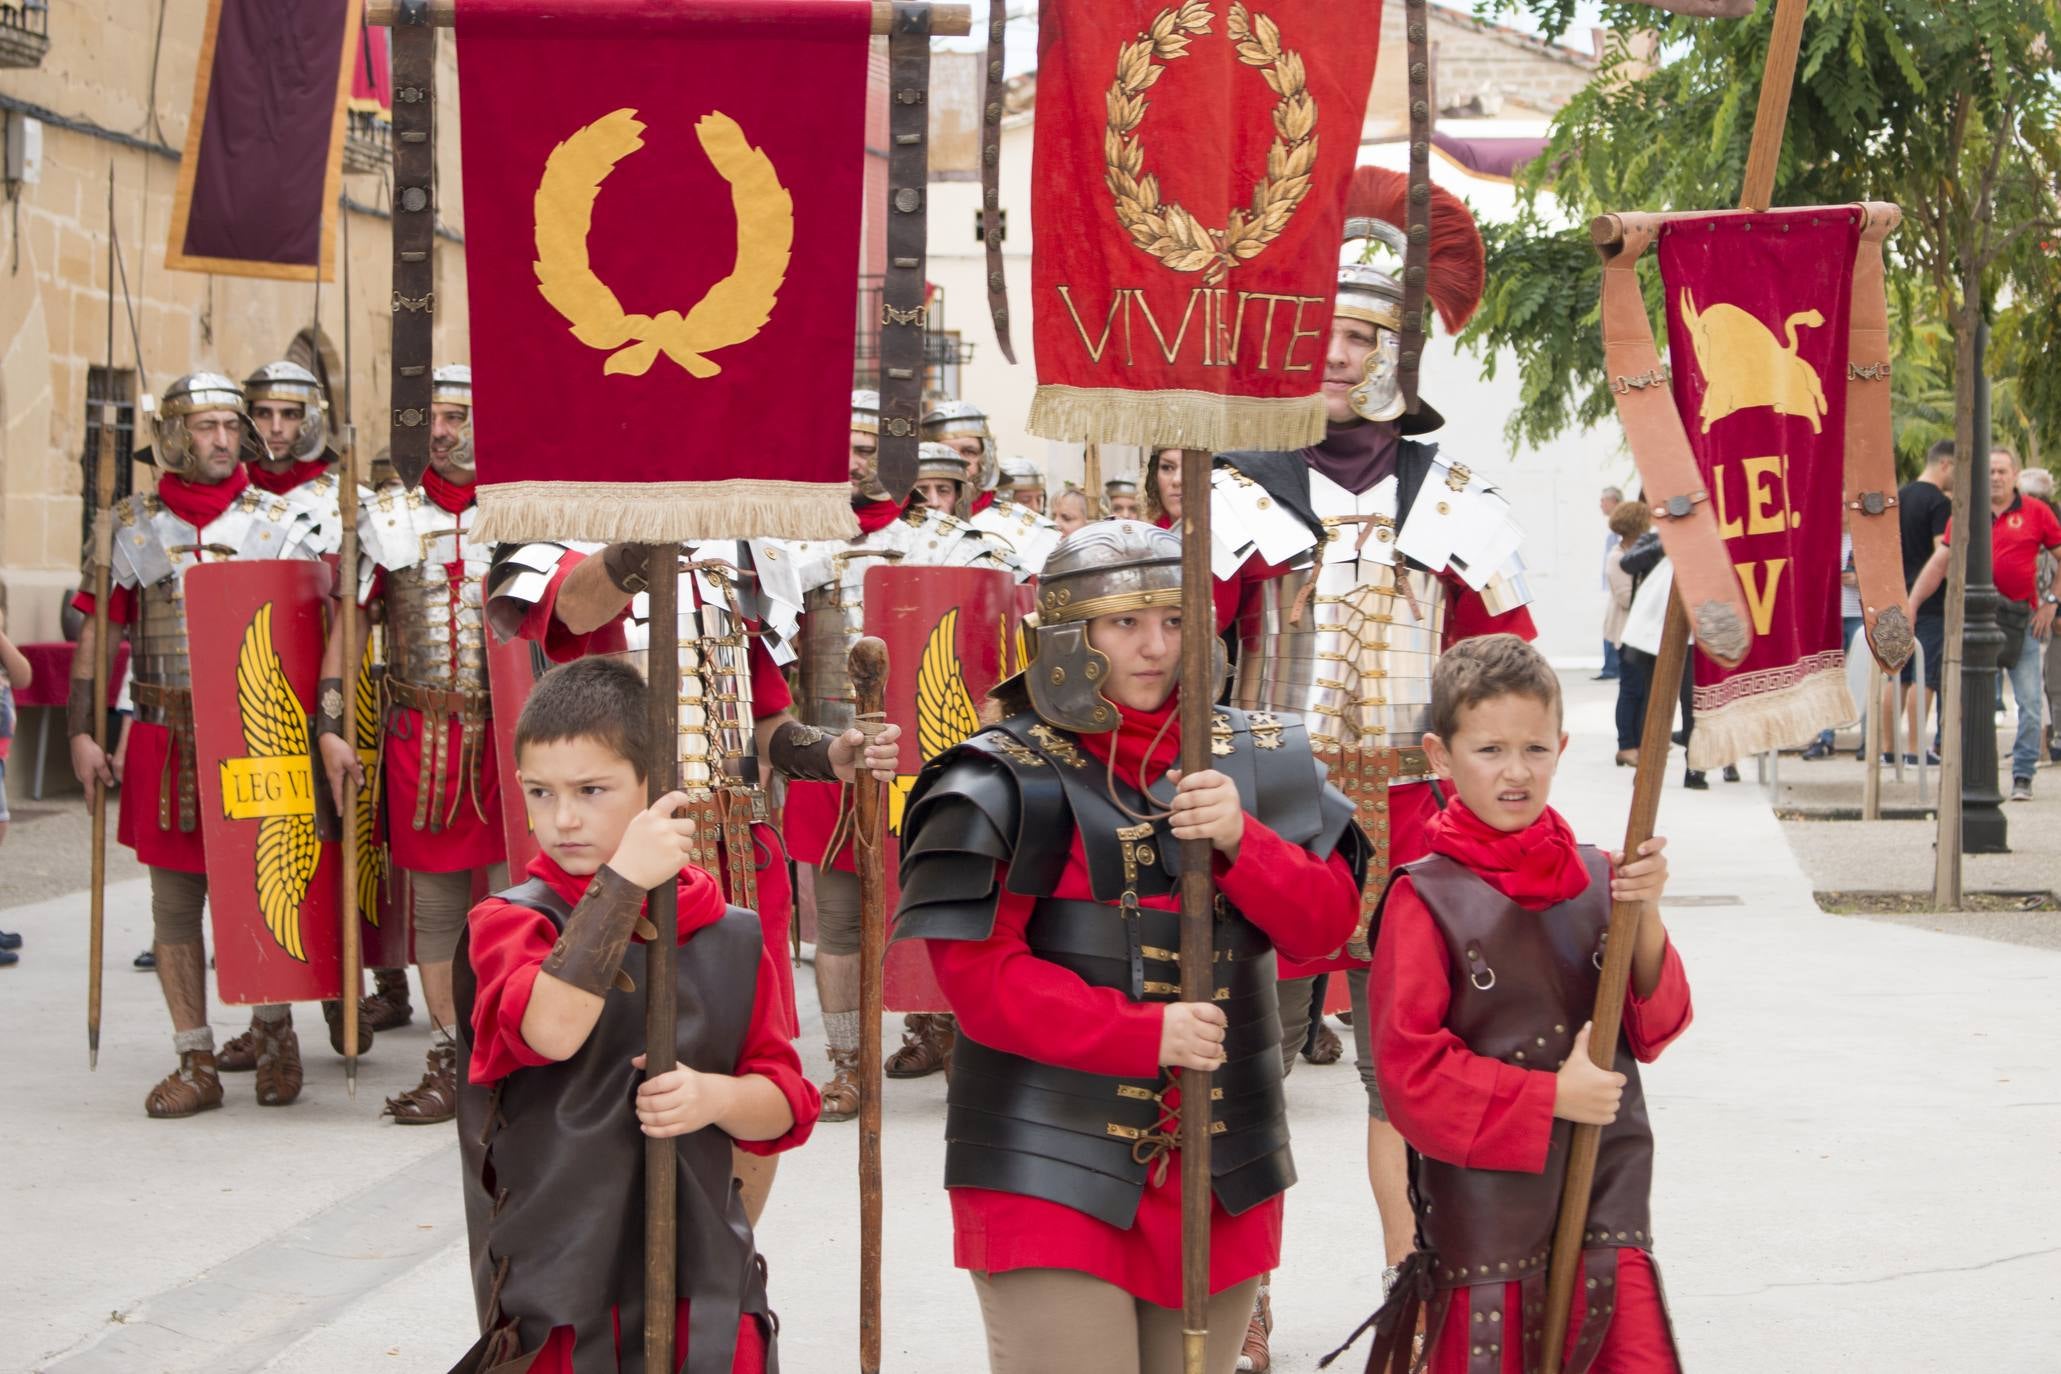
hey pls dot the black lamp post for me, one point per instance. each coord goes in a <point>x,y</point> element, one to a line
<point>1983,828</point>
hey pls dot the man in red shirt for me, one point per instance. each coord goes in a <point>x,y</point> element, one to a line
<point>2019,530</point>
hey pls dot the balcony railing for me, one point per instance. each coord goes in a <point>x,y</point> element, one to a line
<point>944,352</point>
<point>24,32</point>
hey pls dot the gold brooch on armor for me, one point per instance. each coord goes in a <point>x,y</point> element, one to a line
<point>1058,746</point>
<point>1266,729</point>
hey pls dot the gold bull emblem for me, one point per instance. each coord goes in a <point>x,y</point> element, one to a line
<point>1744,365</point>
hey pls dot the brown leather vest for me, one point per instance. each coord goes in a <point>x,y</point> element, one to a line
<point>553,1168</point>
<point>1522,984</point>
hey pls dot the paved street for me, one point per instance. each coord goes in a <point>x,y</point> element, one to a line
<point>1859,1158</point>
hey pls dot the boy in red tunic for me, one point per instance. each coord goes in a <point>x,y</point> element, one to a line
<point>549,987</point>
<point>1484,977</point>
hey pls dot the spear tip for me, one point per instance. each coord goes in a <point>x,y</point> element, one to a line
<point>351,1076</point>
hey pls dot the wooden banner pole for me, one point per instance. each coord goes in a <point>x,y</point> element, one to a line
<point>1198,901</point>
<point>868,666</point>
<point>1777,79</point>
<point>661,1167</point>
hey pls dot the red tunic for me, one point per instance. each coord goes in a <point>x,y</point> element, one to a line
<point>508,948</point>
<point>1008,998</point>
<point>769,697</point>
<point>1480,1113</point>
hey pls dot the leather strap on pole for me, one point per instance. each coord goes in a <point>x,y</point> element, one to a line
<point>1872,517</point>
<point>991,178</point>
<point>1416,256</point>
<point>1674,486</point>
<point>414,299</point>
<point>904,319</point>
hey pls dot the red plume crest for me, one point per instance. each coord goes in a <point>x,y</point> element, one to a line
<point>1456,275</point>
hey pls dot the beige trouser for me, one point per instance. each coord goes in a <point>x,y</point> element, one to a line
<point>1061,1321</point>
<point>176,903</point>
<point>442,901</point>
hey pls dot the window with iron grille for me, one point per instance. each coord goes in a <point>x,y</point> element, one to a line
<point>118,386</point>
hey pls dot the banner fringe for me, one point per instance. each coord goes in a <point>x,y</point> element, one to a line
<point>663,512</point>
<point>1176,419</point>
<point>1770,720</point>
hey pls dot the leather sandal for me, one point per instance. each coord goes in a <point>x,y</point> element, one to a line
<point>435,1099</point>
<point>279,1062</point>
<point>388,1007</point>
<point>926,1046</point>
<point>332,1012</point>
<point>1323,1046</point>
<point>1254,1355</point>
<point>841,1093</point>
<point>192,1088</point>
<point>239,1053</point>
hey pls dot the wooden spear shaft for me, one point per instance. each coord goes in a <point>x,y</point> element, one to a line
<point>103,564</point>
<point>354,664</point>
<point>868,665</point>
<point>661,1168</point>
<point>1777,79</point>
<point>1198,898</point>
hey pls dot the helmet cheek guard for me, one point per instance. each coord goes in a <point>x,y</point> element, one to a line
<point>1379,396</point>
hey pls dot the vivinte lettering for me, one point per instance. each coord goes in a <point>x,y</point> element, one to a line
<point>1209,329</point>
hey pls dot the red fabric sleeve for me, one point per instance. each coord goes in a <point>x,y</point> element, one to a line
<point>1653,1023</point>
<point>121,604</point>
<point>1468,616</point>
<point>1328,900</point>
<point>543,627</point>
<point>508,945</point>
<point>1449,1103</point>
<point>769,694</point>
<point>1009,999</point>
<point>769,1053</point>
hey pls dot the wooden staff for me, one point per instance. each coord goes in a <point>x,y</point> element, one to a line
<point>661,1167</point>
<point>103,562</point>
<point>1777,78</point>
<point>1198,899</point>
<point>868,666</point>
<point>950,21</point>
<point>354,664</point>
<point>1091,479</point>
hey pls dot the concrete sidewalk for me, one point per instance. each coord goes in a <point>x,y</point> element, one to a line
<point>1857,1162</point>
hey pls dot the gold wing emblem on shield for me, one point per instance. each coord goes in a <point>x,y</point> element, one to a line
<point>945,713</point>
<point>276,726</point>
<point>365,730</point>
<point>735,308</point>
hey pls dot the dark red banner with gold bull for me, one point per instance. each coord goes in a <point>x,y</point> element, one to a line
<point>256,633</point>
<point>951,635</point>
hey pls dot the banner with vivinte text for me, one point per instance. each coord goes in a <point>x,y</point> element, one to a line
<point>263,162</point>
<point>1188,197</point>
<point>662,213</point>
<point>1757,316</point>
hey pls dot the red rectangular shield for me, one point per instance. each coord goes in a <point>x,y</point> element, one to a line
<point>950,635</point>
<point>256,639</point>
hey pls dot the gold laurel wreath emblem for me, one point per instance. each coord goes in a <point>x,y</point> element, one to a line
<point>735,308</point>
<point>1166,230</point>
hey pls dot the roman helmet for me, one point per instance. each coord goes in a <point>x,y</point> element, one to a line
<point>190,395</point>
<point>1123,484</point>
<point>1024,477</point>
<point>866,420</point>
<point>292,383</point>
<point>1376,208</point>
<point>1105,568</point>
<point>451,385</point>
<point>942,460</point>
<point>955,419</point>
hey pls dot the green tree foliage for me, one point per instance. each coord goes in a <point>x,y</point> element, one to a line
<point>1949,108</point>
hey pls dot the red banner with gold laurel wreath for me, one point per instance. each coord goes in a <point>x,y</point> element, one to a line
<point>1757,315</point>
<point>1188,195</point>
<point>662,260</point>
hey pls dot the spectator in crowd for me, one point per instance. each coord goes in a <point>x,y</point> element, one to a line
<point>1612,499</point>
<point>15,676</point>
<point>1922,508</point>
<point>1070,511</point>
<point>1163,488</point>
<point>1628,520</point>
<point>1850,619</point>
<point>2020,528</point>
<point>2039,483</point>
<point>1635,560</point>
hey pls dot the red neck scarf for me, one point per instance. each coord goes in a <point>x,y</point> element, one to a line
<point>874,515</point>
<point>445,492</point>
<point>1535,867</point>
<point>1133,737</point>
<point>280,483</point>
<point>198,503</point>
<point>983,501</point>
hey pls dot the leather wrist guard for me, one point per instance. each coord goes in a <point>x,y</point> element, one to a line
<point>589,952</point>
<point>802,751</point>
<point>624,564</point>
<point>329,706</point>
<point>78,708</point>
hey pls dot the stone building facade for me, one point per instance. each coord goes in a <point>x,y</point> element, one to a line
<point>114,88</point>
